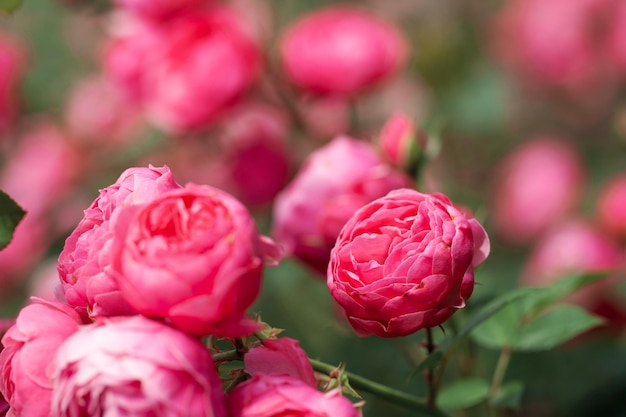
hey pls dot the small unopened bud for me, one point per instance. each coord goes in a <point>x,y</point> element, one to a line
<point>401,143</point>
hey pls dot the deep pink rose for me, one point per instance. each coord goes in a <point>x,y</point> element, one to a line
<point>29,349</point>
<point>85,260</point>
<point>192,256</point>
<point>405,262</point>
<point>206,62</point>
<point>341,50</point>
<point>134,366</point>
<point>280,356</point>
<point>536,184</point>
<point>611,206</point>
<point>12,68</point>
<point>283,395</point>
<point>332,184</point>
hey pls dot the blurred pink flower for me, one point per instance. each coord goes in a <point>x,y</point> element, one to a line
<point>611,206</point>
<point>332,184</point>
<point>341,50</point>
<point>204,65</point>
<point>283,395</point>
<point>616,44</point>
<point>405,262</point>
<point>85,259</point>
<point>27,247</point>
<point>280,356</point>
<point>192,256</point>
<point>157,9</point>
<point>553,42</point>
<point>535,185</point>
<point>97,110</point>
<point>12,69</point>
<point>134,366</point>
<point>42,169</point>
<point>29,349</point>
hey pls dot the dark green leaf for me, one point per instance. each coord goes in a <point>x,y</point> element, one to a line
<point>463,394</point>
<point>10,6</point>
<point>10,216</point>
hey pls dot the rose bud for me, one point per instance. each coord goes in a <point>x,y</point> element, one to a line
<point>29,349</point>
<point>332,184</point>
<point>134,366</point>
<point>341,50</point>
<point>405,262</point>
<point>192,256</point>
<point>401,143</point>
<point>280,356</point>
<point>86,256</point>
<point>611,207</point>
<point>205,64</point>
<point>282,395</point>
<point>536,184</point>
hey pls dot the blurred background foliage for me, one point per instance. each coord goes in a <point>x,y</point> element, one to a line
<point>478,110</point>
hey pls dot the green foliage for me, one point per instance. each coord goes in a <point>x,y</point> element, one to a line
<point>9,6</point>
<point>509,395</point>
<point>463,394</point>
<point>532,322</point>
<point>10,216</point>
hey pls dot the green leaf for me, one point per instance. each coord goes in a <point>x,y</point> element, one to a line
<point>10,6</point>
<point>10,216</point>
<point>555,327</point>
<point>510,395</point>
<point>500,329</point>
<point>463,394</point>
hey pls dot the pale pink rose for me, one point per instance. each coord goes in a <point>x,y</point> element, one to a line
<point>192,256</point>
<point>536,184</point>
<point>611,206</point>
<point>12,69</point>
<point>571,247</point>
<point>405,262</point>
<point>283,395</point>
<point>42,169</point>
<point>571,55</point>
<point>85,259</point>
<point>157,9</point>
<point>29,349</point>
<point>134,366</point>
<point>400,141</point>
<point>341,50</point>
<point>97,110</point>
<point>332,184</point>
<point>205,64</point>
<point>255,153</point>
<point>27,247</point>
<point>280,356</point>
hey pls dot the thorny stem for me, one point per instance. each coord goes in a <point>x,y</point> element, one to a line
<point>430,373</point>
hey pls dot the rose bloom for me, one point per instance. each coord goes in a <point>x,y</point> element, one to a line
<point>611,206</point>
<point>537,183</point>
<point>332,184</point>
<point>12,68</point>
<point>85,259</point>
<point>280,356</point>
<point>341,50</point>
<point>134,366</point>
<point>405,262</point>
<point>29,348</point>
<point>192,256</point>
<point>205,63</point>
<point>283,395</point>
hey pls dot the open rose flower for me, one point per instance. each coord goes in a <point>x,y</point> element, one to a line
<point>26,360</point>
<point>280,356</point>
<point>134,366</point>
<point>193,256</point>
<point>85,260</point>
<point>405,262</point>
<point>283,395</point>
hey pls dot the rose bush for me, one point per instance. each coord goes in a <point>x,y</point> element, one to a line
<point>405,262</point>
<point>134,366</point>
<point>193,256</point>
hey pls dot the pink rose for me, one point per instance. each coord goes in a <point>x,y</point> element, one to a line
<point>332,184</point>
<point>283,395</point>
<point>29,348</point>
<point>544,169</point>
<point>12,68</point>
<point>341,50</point>
<point>611,206</point>
<point>280,356</point>
<point>84,262</point>
<point>205,64</point>
<point>405,262</point>
<point>193,256</point>
<point>134,366</point>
